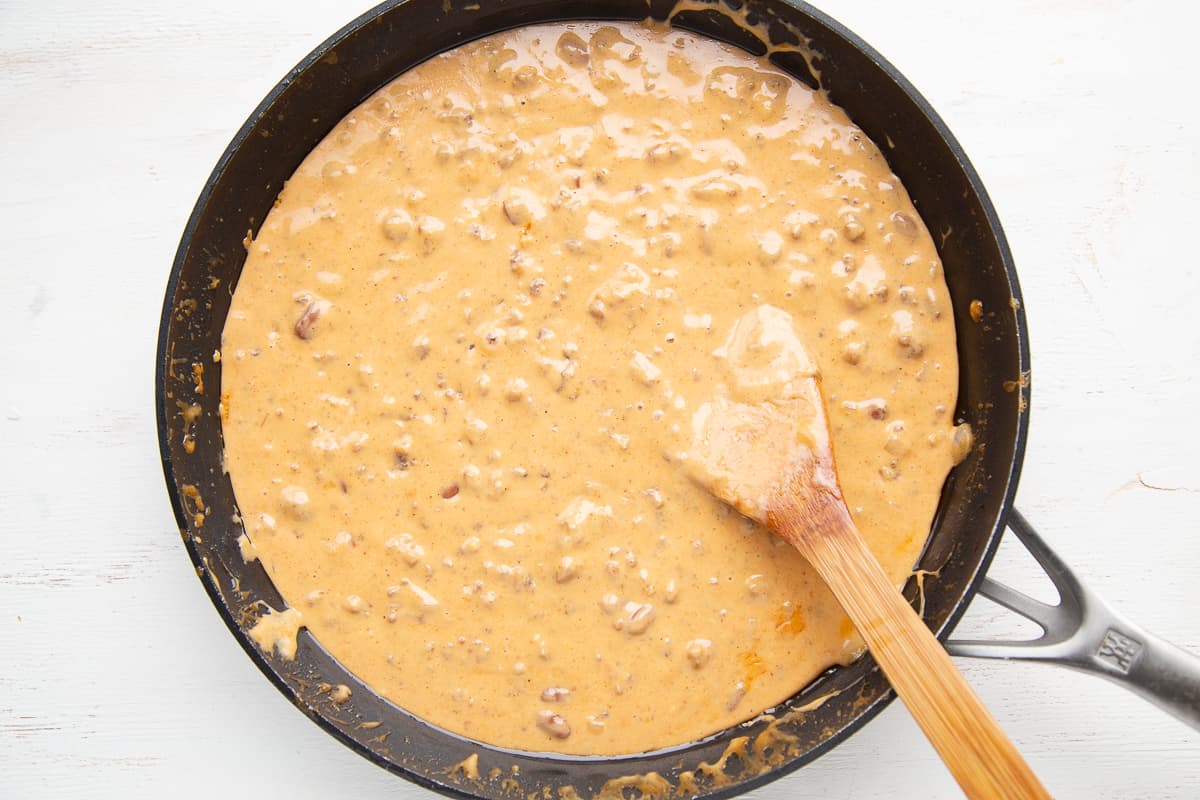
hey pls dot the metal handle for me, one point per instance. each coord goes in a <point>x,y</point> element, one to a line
<point>1084,632</point>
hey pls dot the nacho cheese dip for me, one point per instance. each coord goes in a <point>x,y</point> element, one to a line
<point>464,354</point>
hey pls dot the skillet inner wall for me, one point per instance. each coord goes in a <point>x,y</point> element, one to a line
<point>326,87</point>
<point>992,351</point>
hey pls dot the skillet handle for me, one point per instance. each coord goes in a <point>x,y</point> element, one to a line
<point>1085,633</point>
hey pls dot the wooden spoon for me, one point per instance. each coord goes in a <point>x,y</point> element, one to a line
<point>773,461</point>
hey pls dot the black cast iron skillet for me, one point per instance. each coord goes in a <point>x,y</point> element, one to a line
<point>993,355</point>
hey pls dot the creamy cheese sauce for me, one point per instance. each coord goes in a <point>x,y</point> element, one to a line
<point>472,342</point>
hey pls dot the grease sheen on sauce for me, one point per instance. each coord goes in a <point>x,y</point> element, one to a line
<point>464,356</point>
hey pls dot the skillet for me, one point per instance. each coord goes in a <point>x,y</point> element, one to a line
<point>976,501</point>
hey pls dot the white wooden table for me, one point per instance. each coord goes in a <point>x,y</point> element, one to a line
<point>117,679</point>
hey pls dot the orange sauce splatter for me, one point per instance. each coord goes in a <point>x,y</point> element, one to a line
<point>752,666</point>
<point>789,619</point>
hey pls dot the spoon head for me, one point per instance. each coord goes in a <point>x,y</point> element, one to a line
<point>769,435</point>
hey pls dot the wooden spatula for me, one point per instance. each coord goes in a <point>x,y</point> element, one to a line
<point>773,461</point>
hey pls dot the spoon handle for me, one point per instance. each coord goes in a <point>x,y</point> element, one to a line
<point>978,753</point>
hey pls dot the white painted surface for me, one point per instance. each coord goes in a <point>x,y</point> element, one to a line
<point>117,679</point>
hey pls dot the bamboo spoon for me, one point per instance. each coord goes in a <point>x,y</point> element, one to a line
<point>773,461</point>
